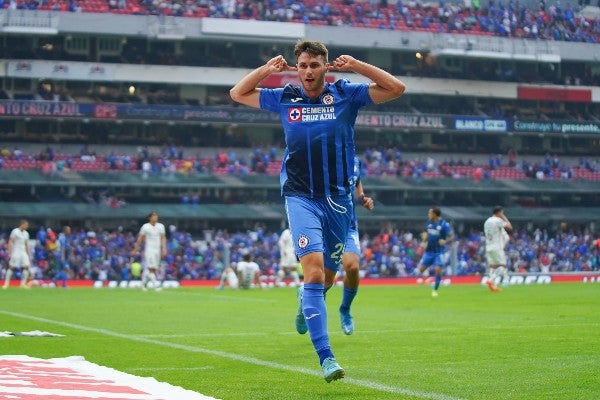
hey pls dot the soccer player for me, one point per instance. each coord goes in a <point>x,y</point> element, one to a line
<point>63,251</point>
<point>351,257</point>
<point>152,234</point>
<point>318,121</point>
<point>288,262</point>
<point>228,276</point>
<point>435,237</point>
<point>248,272</point>
<point>496,237</point>
<point>18,249</point>
<point>350,263</point>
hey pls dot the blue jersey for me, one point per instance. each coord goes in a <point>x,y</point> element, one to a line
<point>319,136</point>
<point>353,241</point>
<point>63,243</point>
<point>354,180</point>
<point>436,231</point>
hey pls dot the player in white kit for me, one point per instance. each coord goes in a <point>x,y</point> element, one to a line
<point>152,234</point>
<point>496,237</point>
<point>18,249</point>
<point>288,263</point>
<point>248,272</point>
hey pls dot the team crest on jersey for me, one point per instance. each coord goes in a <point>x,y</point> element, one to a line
<point>303,241</point>
<point>295,114</point>
<point>328,99</point>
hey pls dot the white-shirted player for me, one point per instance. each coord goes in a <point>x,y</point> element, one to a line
<point>288,263</point>
<point>18,249</point>
<point>152,234</point>
<point>228,276</point>
<point>496,237</point>
<point>248,272</point>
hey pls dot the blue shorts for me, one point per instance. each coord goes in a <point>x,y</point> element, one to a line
<point>320,225</point>
<point>432,259</point>
<point>353,242</point>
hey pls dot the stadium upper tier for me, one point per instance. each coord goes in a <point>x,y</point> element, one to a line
<point>510,19</point>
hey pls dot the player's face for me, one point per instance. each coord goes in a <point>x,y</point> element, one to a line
<point>153,219</point>
<point>431,215</point>
<point>311,71</point>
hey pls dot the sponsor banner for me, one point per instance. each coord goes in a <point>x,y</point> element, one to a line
<point>393,120</point>
<point>141,112</point>
<point>480,124</point>
<point>150,112</point>
<point>72,378</point>
<point>44,109</point>
<point>556,127</point>
<point>554,94</point>
<point>452,279</point>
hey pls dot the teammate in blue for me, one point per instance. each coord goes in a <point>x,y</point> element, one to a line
<point>351,257</point>
<point>435,237</point>
<point>318,121</point>
<point>63,253</point>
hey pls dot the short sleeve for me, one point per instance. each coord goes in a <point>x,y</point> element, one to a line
<point>358,91</point>
<point>270,99</point>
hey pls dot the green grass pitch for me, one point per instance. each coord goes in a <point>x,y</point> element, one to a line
<point>528,342</point>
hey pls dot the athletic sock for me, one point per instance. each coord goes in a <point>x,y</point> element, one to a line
<point>438,280</point>
<point>348,298</point>
<point>24,276</point>
<point>9,273</point>
<point>315,314</point>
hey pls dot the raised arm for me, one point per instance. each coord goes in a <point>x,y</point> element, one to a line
<point>246,91</point>
<point>507,224</point>
<point>384,86</point>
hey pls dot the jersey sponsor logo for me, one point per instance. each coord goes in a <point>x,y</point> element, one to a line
<point>303,241</point>
<point>311,114</point>
<point>294,114</point>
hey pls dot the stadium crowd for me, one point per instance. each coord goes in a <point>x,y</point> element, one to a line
<point>376,162</point>
<point>106,255</point>
<point>509,19</point>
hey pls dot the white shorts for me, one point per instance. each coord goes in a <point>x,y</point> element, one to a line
<point>289,261</point>
<point>495,257</point>
<point>152,259</point>
<point>19,259</point>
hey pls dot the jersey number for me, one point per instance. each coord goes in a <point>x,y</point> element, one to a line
<point>338,253</point>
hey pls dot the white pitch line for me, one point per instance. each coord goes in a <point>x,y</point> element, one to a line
<point>237,357</point>
<point>170,369</point>
<point>158,335</point>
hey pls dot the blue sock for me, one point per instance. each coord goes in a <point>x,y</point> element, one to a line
<point>347,298</point>
<point>438,279</point>
<point>315,314</point>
